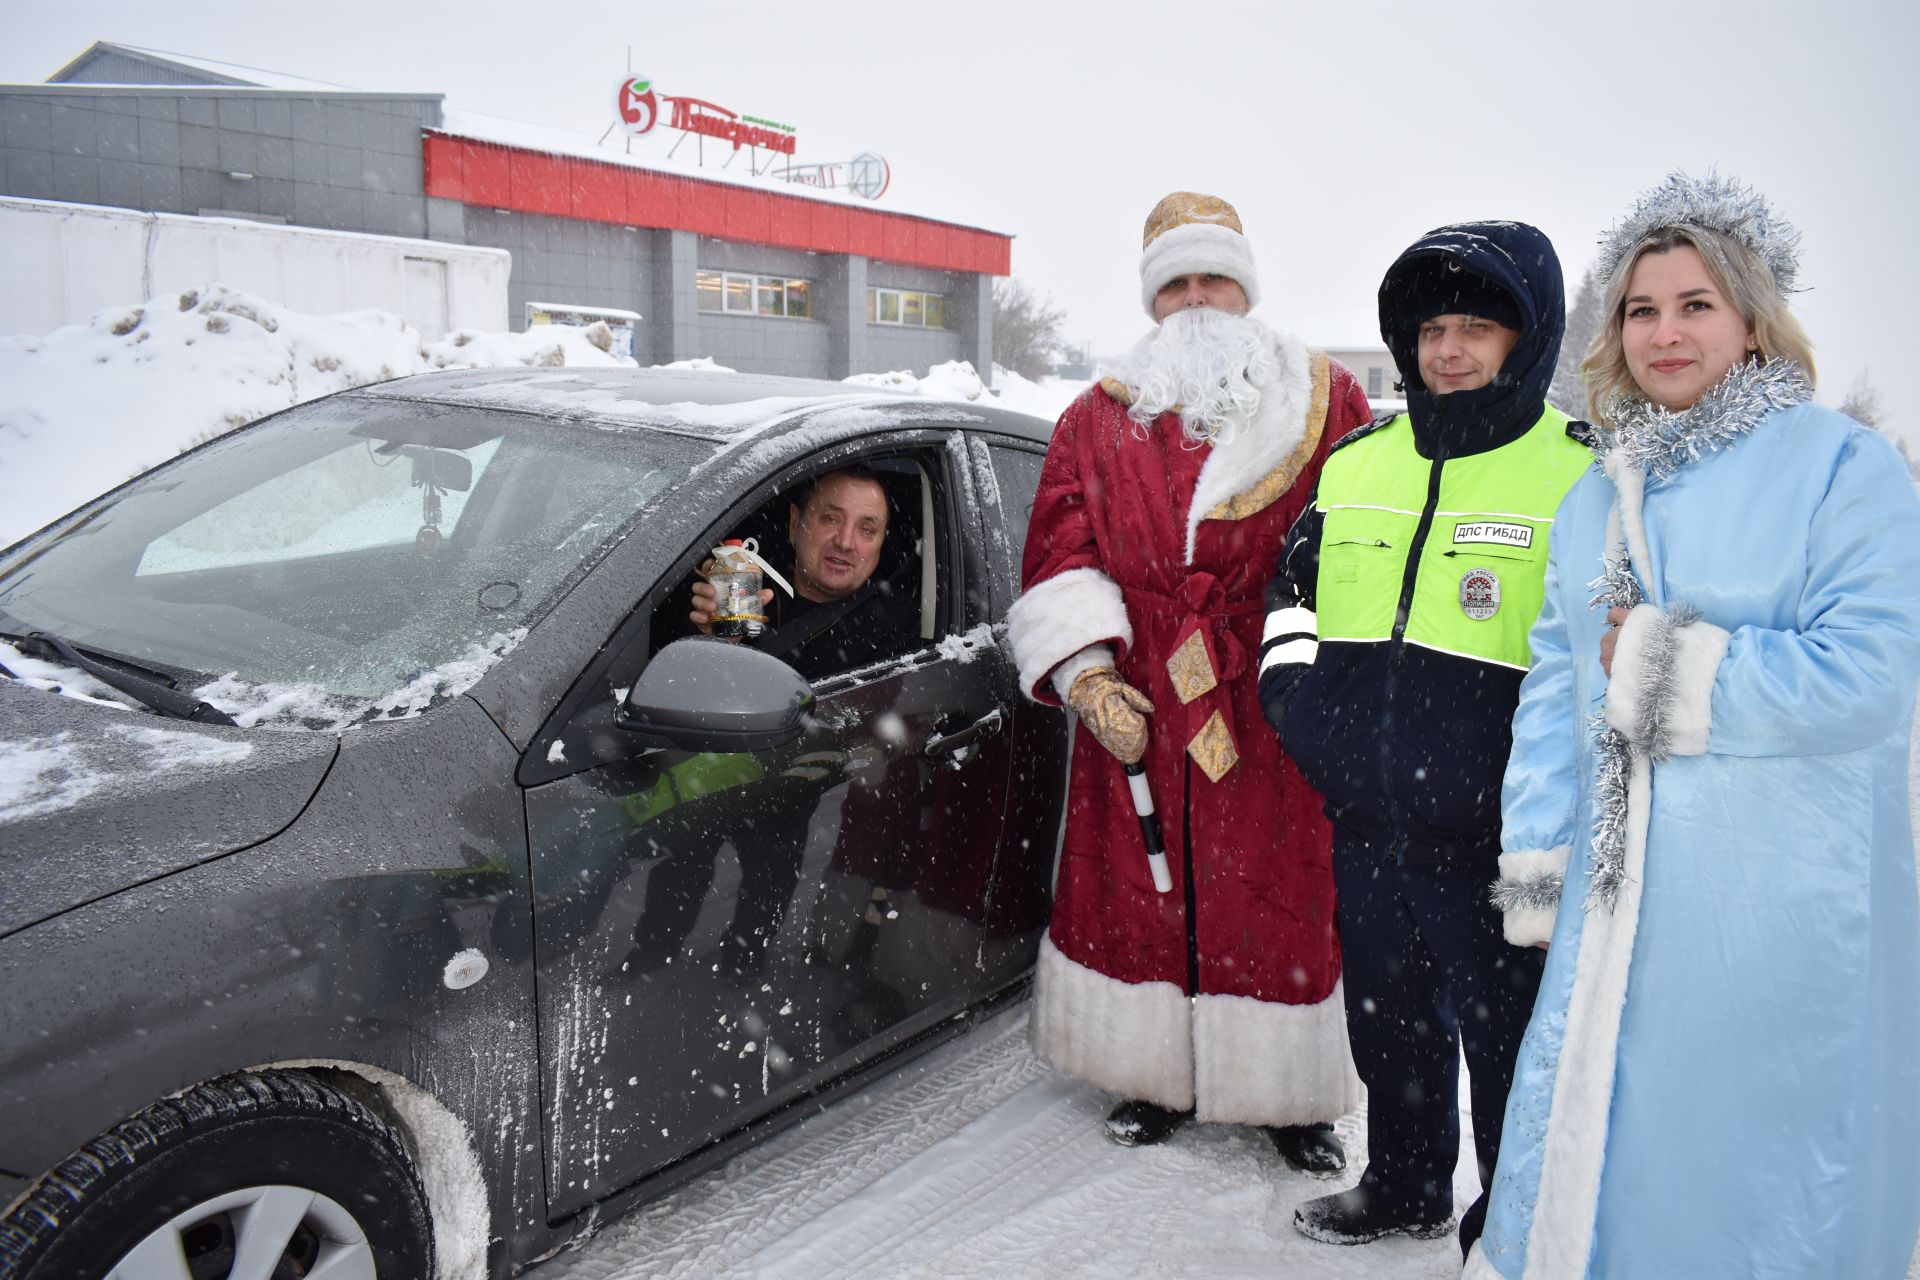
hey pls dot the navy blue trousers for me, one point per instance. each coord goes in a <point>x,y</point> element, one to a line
<point>1427,974</point>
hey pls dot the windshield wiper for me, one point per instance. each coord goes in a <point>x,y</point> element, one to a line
<point>155,692</point>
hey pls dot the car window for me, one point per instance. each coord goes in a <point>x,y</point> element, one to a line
<point>888,612</point>
<point>1017,475</point>
<point>341,552</point>
<point>348,500</point>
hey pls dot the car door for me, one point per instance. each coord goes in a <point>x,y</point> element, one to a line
<point>1007,468</point>
<point>720,933</point>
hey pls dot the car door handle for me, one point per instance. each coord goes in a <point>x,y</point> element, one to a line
<point>942,745</point>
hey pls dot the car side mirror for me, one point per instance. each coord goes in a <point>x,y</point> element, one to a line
<point>703,694</point>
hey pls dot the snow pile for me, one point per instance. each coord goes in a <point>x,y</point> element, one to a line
<point>38,775</point>
<point>90,405</point>
<point>58,677</point>
<point>307,706</point>
<point>957,380</point>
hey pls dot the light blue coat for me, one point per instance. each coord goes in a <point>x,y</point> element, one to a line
<point>1763,1113</point>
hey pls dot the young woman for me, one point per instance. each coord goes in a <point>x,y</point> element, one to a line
<point>1722,1073</point>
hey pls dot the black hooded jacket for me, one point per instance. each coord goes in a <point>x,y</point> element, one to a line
<point>1407,744</point>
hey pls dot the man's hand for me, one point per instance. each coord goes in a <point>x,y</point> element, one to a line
<point>706,601</point>
<point>1616,618</point>
<point>1114,712</point>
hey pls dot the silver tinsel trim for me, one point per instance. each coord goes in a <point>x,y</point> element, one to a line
<point>1610,824</point>
<point>1616,584</point>
<point>1658,442</point>
<point>1541,892</point>
<point>1717,204</point>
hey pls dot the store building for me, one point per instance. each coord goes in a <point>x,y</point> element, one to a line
<point>762,275</point>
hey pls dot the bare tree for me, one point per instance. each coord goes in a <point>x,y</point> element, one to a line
<point>1583,321</point>
<point>1862,403</point>
<point>1026,329</point>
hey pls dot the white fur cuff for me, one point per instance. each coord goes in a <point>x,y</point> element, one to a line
<point>1660,695</point>
<point>1197,249</point>
<point>1130,1038</point>
<point>1528,892</point>
<point>1057,618</point>
<point>1264,1062</point>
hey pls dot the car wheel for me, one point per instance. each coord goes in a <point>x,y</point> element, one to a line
<point>272,1175</point>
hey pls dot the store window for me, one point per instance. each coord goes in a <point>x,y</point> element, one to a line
<point>738,293</point>
<point>906,307</point>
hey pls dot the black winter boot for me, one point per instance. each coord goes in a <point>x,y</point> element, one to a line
<point>1144,1124</point>
<point>1309,1148</point>
<point>1359,1215</point>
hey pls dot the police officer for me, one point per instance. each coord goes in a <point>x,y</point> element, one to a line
<point>1395,643</point>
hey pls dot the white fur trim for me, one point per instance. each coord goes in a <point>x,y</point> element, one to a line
<point>1699,648</point>
<point>1478,1268</point>
<point>1198,248</point>
<point>1130,1038</point>
<point>1091,658</point>
<point>1250,454</point>
<point>1527,925</point>
<point>1263,1062</point>
<point>1630,484</point>
<point>1685,714</point>
<point>1561,1235</point>
<point>1057,618</point>
<point>1629,681</point>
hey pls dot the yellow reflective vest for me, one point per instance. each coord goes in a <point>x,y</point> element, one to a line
<point>1450,557</point>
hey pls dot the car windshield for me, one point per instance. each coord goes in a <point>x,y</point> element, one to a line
<point>350,558</point>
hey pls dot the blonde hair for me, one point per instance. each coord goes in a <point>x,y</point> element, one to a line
<point>1742,280</point>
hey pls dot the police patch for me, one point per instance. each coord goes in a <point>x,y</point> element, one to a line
<point>1506,533</point>
<point>1479,594</point>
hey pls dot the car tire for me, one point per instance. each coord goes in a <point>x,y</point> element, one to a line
<point>257,1176</point>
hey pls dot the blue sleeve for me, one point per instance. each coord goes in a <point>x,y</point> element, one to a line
<point>1843,677</point>
<point>1541,788</point>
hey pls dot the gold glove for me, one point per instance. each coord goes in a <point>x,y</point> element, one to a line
<point>1113,711</point>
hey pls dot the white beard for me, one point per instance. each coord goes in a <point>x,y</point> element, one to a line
<point>1209,365</point>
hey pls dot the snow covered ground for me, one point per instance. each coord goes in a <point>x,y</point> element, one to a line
<point>978,1160</point>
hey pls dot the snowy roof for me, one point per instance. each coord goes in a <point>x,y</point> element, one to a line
<point>218,74</point>
<point>712,406</point>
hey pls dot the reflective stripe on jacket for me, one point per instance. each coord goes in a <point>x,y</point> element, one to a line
<point>1478,525</point>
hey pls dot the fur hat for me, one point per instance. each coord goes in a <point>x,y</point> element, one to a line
<point>1191,234</point>
<point>1715,204</point>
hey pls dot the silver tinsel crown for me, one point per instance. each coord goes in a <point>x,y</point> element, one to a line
<point>1717,204</point>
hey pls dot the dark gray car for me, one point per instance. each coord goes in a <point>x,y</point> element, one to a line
<point>388,876</point>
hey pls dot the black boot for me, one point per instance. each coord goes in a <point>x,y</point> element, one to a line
<point>1309,1148</point>
<point>1144,1124</point>
<point>1359,1215</point>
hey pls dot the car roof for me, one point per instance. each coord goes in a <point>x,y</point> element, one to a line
<point>705,404</point>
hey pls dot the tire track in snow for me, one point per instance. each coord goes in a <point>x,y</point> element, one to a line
<point>724,1218</point>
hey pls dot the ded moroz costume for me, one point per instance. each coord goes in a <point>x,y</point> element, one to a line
<point>1147,552</point>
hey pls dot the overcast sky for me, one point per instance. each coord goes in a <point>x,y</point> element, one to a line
<point>1341,131</point>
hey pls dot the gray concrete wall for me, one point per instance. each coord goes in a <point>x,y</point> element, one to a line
<point>344,162</point>
<point>562,260</point>
<point>893,346</point>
